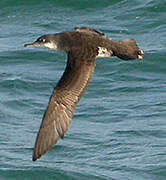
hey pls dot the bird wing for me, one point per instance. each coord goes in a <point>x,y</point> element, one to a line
<point>89,30</point>
<point>62,103</point>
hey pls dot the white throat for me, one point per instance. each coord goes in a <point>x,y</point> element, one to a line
<point>51,45</point>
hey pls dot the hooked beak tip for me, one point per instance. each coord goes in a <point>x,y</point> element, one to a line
<point>25,45</point>
<point>28,45</point>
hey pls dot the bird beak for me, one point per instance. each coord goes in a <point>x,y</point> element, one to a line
<point>34,44</point>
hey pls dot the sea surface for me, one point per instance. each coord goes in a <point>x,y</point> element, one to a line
<point>119,128</point>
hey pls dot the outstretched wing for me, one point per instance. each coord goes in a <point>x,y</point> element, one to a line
<point>62,103</point>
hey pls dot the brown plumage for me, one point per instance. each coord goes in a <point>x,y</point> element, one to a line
<point>83,46</point>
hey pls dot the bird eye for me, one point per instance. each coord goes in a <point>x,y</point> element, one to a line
<point>42,40</point>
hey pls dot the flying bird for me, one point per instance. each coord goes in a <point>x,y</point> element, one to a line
<point>83,46</point>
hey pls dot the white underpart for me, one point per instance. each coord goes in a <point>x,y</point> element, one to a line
<point>50,45</point>
<point>104,52</point>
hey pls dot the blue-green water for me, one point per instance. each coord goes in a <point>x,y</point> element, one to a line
<point>119,128</point>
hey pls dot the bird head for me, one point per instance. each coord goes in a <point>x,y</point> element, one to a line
<point>45,41</point>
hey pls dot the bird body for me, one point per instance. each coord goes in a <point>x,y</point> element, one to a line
<point>82,46</point>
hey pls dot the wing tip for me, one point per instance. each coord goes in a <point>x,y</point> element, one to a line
<point>38,151</point>
<point>36,156</point>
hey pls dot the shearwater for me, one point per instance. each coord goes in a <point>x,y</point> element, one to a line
<point>82,46</point>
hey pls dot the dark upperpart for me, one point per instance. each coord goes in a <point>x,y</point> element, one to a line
<point>83,46</point>
<point>89,40</point>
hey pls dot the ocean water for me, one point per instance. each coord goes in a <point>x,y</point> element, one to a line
<point>119,128</point>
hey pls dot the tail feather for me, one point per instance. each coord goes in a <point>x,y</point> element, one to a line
<point>128,50</point>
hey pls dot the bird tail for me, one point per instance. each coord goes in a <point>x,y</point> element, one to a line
<point>128,50</point>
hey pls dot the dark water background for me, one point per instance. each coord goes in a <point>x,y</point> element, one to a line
<point>119,129</point>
